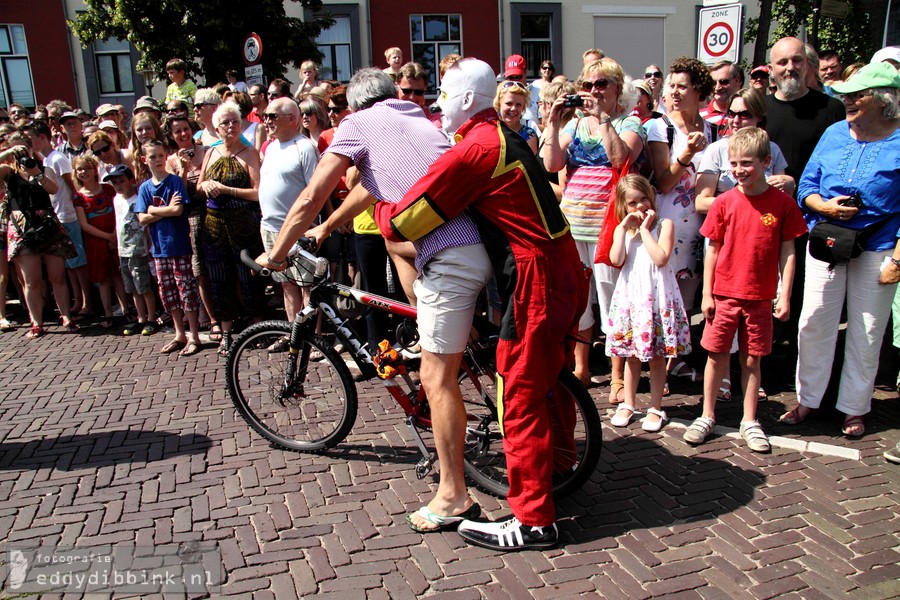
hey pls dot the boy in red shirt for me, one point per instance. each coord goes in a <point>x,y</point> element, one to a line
<point>751,231</point>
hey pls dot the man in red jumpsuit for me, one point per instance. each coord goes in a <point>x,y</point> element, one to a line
<point>541,279</point>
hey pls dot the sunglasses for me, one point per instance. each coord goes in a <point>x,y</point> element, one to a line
<point>270,116</point>
<point>201,104</point>
<point>274,95</point>
<point>409,91</point>
<point>855,96</point>
<point>173,111</point>
<point>723,81</point>
<point>759,75</point>
<point>600,84</point>
<point>515,77</point>
<point>229,123</point>
<point>744,114</point>
<point>102,149</point>
<point>649,74</point>
<point>336,109</point>
<point>508,84</point>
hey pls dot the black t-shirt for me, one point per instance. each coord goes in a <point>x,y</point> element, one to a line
<point>797,125</point>
<point>26,195</point>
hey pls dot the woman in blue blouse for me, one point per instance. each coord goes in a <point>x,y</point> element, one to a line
<point>860,155</point>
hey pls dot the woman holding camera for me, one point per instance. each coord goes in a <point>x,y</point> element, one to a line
<point>851,180</point>
<point>28,200</point>
<point>595,149</point>
<point>186,162</point>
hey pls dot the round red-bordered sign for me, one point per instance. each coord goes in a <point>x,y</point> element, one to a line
<point>251,49</point>
<point>712,34</point>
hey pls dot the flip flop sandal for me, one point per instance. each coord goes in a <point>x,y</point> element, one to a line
<point>172,346</point>
<point>794,417</point>
<point>442,523</point>
<point>854,426</point>
<point>755,437</point>
<point>215,332</point>
<point>724,391</point>
<point>5,325</point>
<point>653,427</point>
<point>35,332</point>
<point>190,349</point>
<point>624,420</point>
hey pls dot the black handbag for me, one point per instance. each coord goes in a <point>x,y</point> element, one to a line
<point>40,231</point>
<point>837,245</point>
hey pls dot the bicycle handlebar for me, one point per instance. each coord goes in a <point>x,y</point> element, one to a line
<point>302,248</point>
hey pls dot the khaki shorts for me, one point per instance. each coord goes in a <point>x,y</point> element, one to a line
<point>301,277</point>
<point>446,291</point>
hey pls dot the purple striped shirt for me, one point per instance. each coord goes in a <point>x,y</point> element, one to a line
<point>392,144</point>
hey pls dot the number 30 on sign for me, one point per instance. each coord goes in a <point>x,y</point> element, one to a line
<point>719,33</point>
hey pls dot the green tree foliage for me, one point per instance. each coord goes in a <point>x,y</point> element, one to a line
<point>850,36</point>
<point>207,34</point>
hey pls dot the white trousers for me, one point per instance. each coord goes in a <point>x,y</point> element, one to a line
<point>868,311</point>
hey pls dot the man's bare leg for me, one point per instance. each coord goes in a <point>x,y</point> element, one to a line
<point>439,374</point>
<point>404,256</point>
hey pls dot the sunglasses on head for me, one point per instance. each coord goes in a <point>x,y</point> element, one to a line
<point>408,91</point>
<point>600,84</point>
<point>649,74</point>
<point>744,114</point>
<point>508,84</point>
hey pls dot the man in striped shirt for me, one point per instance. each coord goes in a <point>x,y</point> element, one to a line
<point>392,144</point>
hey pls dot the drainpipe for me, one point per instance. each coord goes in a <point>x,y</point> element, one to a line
<point>502,33</point>
<point>368,18</point>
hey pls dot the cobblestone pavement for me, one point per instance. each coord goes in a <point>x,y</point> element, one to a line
<point>103,440</point>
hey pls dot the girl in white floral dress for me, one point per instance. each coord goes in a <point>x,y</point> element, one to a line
<point>647,319</point>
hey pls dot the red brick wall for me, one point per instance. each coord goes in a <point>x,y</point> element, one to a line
<point>480,27</point>
<point>48,47</point>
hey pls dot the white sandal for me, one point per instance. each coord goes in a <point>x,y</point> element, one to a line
<point>684,371</point>
<point>652,427</point>
<point>617,421</point>
<point>724,394</point>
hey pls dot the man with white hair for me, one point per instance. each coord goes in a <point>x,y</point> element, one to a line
<point>494,173</point>
<point>391,143</point>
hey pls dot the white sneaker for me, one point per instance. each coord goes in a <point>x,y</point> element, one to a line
<point>509,535</point>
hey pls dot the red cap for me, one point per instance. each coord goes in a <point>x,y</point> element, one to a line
<point>760,68</point>
<point>515,65</point>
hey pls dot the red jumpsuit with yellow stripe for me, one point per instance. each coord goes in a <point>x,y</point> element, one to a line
<point>541,279</point>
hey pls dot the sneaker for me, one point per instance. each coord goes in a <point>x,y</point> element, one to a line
<point>149,328</point>
<point>753,434</point>
<point>509,535</point>
<point>699,430</point>
<point>893,455</point>
<point>131,329</point>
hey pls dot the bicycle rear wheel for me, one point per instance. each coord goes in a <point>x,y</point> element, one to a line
<point>297,403</point>
<point>485,461</point>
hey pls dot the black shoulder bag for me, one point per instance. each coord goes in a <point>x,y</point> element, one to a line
<point>837,245</point>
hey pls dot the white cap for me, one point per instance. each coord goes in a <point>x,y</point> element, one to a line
<point>887,53</point>
<point>108,123</point>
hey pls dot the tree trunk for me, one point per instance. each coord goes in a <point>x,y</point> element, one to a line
<point>762,34</point>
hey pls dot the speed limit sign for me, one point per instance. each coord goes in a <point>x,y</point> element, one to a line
<point>719,33</point>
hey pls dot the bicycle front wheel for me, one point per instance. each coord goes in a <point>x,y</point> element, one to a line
<point>299,402</point>
<point>576,453</point>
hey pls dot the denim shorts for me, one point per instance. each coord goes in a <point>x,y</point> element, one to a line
<point>74,231</point>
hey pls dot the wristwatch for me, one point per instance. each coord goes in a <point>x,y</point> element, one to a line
<point>37,178</point>
<point>277,263</point>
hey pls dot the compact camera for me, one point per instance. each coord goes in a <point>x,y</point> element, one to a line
<point>190,153</point>
<point>573,101</point>
<point>854,201</point>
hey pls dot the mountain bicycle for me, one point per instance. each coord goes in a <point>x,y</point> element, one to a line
<point>295,390</point>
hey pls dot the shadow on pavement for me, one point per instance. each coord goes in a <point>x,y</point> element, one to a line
<point>641,484</point>
<point>70,452</point>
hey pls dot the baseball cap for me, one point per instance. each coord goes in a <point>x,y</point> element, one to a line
<point>760,69</point>
<point>108,124</point>
<point>887,53</point>
<point>67,115</point>
<point>515,65</point>
<point>146,102</point>
<point>120,169</point>
<point>104,109</point>
<point>873,75</point>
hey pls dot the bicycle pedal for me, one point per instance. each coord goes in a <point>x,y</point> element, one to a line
<point>424,466</point>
